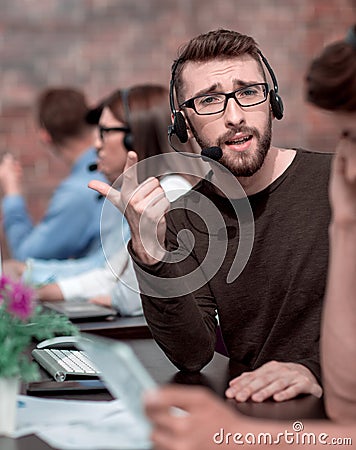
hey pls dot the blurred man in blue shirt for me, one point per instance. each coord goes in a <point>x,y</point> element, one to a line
<point>71,226</point>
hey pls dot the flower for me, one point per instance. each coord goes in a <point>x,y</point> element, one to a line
<point>21,320</point>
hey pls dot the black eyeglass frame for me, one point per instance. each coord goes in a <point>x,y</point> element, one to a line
<point>103,130</point>
<point>190,102</point>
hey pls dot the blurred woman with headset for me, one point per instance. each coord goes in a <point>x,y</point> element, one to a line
<point>135,119</point>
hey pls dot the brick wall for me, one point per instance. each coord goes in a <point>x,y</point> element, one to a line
<point>101,45</point>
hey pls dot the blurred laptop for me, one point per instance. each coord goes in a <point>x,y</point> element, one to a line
<point>81,310</point>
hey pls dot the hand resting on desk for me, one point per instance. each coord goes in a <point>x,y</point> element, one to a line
<point>279,380</point>
<point>103,300</point>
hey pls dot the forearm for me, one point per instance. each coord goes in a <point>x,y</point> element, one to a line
<point>181,332</point>
<point>125,296</point>
<point>339,325</point>
<point>87,285</point>
<point>17,223</point>
<point>45,271</point>
<point>182,325</point>
<point>50,292</point>
<point>93,283</point>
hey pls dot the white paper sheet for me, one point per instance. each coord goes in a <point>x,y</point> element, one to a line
<point>81,425</point>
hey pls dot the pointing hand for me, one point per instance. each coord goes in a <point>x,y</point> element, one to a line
<point>144,206</point>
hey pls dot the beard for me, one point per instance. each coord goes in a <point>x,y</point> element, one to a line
<point>246,163</point>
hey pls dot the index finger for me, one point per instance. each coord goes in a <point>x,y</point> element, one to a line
<point>129,180</point>
<point>107,191</point>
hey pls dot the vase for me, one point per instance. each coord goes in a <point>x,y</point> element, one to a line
<point>9,388</point>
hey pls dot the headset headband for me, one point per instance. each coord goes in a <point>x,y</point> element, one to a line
<point>279,107</point>
<point>128,138</point>
<point>125,101</point>
<point>171,83</point>
<point>270,71</point>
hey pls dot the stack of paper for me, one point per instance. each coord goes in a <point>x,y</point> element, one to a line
<point>81,425</point>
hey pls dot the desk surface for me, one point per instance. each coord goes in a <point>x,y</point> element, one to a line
<point>118,327</point>
<point>161,369</point>
<point>215,376</point>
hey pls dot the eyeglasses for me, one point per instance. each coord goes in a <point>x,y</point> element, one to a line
<point>104,130</point>
<point>214,103</point>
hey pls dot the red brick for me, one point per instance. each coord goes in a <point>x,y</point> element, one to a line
<point>102,45</point>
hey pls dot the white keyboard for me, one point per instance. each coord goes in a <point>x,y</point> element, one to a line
<point>63,363</point>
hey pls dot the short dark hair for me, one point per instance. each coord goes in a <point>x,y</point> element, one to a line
<point>331,78</point>
<point>62,112</point>
<point>216,44</point>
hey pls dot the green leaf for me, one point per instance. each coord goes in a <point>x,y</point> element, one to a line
<point>16,335</point>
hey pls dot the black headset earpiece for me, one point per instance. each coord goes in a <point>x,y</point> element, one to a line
<point>276,104</point>
<point>275,99</point>
<point>128,138</point>
<point>179,127</point>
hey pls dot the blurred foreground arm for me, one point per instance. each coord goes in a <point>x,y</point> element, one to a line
<point>339,321</point>
<point>211,424</point>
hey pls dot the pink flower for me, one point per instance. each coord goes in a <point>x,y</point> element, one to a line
<point>20,300</point>
<point>5,284</point>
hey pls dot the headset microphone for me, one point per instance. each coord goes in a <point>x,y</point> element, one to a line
<point>93,168</point>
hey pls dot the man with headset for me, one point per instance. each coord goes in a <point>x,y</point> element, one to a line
<point>189,261</point>
<point>330,85</point>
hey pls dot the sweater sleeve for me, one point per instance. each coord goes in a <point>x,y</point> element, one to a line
<point>182,320</point>
<point>87,285</point>
<point>125,295</point>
